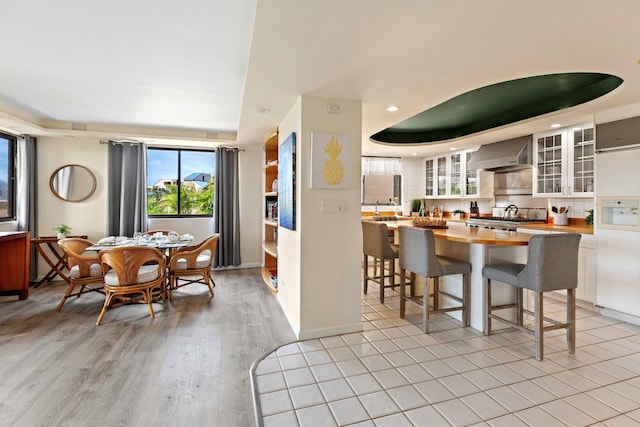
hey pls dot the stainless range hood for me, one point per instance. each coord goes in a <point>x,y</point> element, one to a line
<point>512,154</point>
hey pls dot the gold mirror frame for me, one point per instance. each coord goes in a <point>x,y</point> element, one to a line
<point>85,196</point>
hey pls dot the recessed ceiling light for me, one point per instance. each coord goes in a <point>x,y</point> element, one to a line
<point>263,110</point>
<point>393,108</point>
<point>414,154</point>
<point>452,148</point>
<point>556,125</point>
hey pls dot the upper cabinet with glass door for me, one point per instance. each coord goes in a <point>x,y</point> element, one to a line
<point>441,176</point>
<point>582,140</point>
<point>563,162</point>
<point>448,176</point>
<point>436,176</point>
<point>455,174</point>
<point>429,167</point>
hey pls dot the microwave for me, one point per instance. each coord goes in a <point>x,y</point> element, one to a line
<point>618,213</point>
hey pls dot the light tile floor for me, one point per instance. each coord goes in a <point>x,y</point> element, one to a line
<point>392,374</point>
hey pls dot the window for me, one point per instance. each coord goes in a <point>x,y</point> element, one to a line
<point>180,182</point>
<point>7,177</point>
<point>381,180</point>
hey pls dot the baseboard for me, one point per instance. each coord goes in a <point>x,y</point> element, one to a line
<point>240,267</point>
<point>330,331</point>
<point>321,332</point>
<point>618,315</point>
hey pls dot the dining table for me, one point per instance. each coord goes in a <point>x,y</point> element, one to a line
<point>164,244</point>
<point>168,245</point>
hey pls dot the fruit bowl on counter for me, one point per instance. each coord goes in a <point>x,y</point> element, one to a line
<point>426,222</point>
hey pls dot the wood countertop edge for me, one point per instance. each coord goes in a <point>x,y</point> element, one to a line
<point>563,228</point>
<point>473,235</point>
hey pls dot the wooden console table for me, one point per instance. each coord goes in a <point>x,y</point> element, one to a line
<point>54,257</point>
<point>14,256</point>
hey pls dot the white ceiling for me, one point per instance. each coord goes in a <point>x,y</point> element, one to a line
<point>200,70</point>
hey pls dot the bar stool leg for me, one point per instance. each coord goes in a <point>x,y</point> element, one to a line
<point>425,305</point>
<point>571,320</point>
<point>486,283</point>
<point>539,319</point>
<point>466,299</point>
<point>402,294</point>
<point>519,308</point>
<point>382,275</point>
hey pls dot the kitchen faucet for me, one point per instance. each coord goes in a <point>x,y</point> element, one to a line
<point>376,211</point>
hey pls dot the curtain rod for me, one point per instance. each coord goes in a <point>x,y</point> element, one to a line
<point>120,141</point>
<point>132,142</point>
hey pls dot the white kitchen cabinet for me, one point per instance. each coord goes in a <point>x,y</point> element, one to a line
<point>429,167</point>
<point>447,176</point>
<point>586,270</point>
<point>437,176</point>
<point>563,162</point>
<point>442,187</point>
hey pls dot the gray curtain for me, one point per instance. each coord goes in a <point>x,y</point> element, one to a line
<point>226,218</point>
<point>127,195</point>
<point>27,194</point>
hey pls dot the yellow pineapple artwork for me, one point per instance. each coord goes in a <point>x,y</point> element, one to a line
<point>333,171</point>
<point>331,161</point>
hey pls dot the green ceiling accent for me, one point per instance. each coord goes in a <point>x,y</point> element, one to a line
<point>498,105</point>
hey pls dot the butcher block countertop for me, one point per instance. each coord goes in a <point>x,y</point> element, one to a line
<point>576,225</point>
<point>480,236</point>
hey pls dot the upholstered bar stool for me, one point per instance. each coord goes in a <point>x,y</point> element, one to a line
<point>552,265</point>
<point>376,244</point>
<point>418,255</point>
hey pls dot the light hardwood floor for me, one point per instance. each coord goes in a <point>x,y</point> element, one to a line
<point>187,367</point>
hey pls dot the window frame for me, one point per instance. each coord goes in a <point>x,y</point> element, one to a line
<point>179,160</point>
<point>11,172</point>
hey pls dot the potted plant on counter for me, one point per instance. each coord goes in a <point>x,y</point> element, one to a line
<point>589,218</point>
<point>62,231</point>
<point>457,214</point>
<point>415,206</point>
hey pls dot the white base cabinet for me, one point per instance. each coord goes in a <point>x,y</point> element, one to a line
<point>586,290</point>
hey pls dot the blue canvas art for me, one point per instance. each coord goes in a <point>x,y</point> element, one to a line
<point>287,182</point>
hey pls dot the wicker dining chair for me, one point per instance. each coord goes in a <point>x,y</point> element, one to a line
<point>131,274</point>
<point>192,264</point>
<point>84,268</point>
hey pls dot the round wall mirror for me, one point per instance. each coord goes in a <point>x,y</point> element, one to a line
<point>72,183</point>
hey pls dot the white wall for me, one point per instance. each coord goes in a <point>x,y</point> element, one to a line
<point>289,241</point>
<point>319,276</point>
<point>86,217</point>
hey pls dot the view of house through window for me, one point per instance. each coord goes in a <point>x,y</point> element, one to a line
<point>7,174</point>
<point>180,182</point>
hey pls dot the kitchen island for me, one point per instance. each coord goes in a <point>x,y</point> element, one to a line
<point>479,247</point>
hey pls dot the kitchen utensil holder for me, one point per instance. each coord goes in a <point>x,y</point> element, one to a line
<point>560,218</point>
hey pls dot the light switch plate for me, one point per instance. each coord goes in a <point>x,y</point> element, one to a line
<point>332,206</point>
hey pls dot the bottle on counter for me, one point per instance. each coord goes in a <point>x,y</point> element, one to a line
<point>422,211</point>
